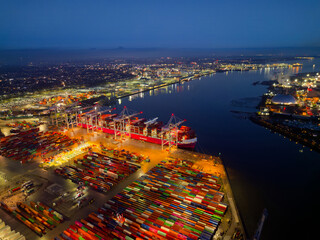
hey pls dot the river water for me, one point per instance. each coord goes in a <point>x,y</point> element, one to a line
<point>266,170</point>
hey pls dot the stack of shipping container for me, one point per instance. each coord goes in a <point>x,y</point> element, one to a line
<point>126,155</point>
<point>169,202</point>
<point>24,146</point>
<point>38,217</point>
<point>98,171</point>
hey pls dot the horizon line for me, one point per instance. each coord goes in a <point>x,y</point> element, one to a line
<point>156,48</point>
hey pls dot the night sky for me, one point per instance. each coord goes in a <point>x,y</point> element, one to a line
<point>159,24</point>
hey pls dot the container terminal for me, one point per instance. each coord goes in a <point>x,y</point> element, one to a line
<point>79,182</point>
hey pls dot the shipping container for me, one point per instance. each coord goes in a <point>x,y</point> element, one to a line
<point>169,202</point>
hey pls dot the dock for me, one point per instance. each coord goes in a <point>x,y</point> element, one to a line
<point>230,222</point>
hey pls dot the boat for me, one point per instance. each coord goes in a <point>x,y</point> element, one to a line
<point>152,131</point>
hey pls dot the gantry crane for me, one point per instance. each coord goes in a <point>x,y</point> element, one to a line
<point>119,122</point>
<point>172,124</point>
<point>92,118</point>
<point>147,124</point>
<point>72,115</point>
<point>69,115</point>
<point>57,114</point>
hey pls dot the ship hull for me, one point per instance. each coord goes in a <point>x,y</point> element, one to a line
<point>189,145</point>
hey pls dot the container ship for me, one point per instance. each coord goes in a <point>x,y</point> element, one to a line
<point>130,125</point>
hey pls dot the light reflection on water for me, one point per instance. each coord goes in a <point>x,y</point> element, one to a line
<point>263,167</point>
<point>268,73</point>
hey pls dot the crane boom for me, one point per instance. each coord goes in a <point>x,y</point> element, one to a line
<point>105,111</point>
<point>126,115</point>
<point>170,125</point>
<point>152,121</point>
<point>132,115</point>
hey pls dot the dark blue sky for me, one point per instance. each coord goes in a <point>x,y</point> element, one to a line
<point>164,24</point>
